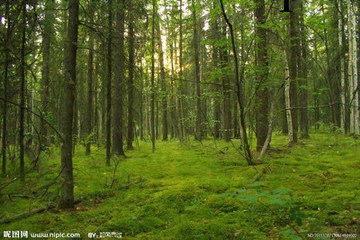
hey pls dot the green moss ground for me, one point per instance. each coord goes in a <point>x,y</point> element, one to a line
<point>201,191</point>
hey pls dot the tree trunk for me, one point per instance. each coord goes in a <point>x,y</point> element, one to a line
<point>67,188</point>
<point>226,90</point>
<point>109,84</point>
<point>181,88</point>
<point>288,101</point>
<point>196,44</point>
<point>239,92</point>
<point>293,67</point>
<point>22,93</point>
<point>164,110</point>
<point>119,79</point>
<point>262,94</point>
<point>89,119</point>
<point>152,104</point>
<point>353,70</point>
<point>45,78</point>
<point>215,62</point>
<point>342,67</point>
<point>303,92</point>
<point>6,83</point>
<point>130,133</point>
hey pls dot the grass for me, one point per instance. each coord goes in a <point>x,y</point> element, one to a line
<point>201,191</point>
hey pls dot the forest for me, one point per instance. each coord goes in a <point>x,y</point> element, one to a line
<point>179,119</point>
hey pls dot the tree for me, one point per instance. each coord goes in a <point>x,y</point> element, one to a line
<point>152,104</point>
<point>119,79</point>
<point>130,133</point>
<point>293,67</point>
<point>239,92</point>
<point>353,70</point>
<point>196,44</point>
<point>303,72</point>
<point>68,99</point>
<point>215,61</point>
<point>45,77</point>
<point>109,83</point>
<point>262,93</point>
<point>89,110</point>
<point>6,83</point>
<point>163,83</point>
<point>22,92</point>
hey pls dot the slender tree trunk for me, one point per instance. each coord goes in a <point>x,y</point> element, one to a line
<point>109,84</point>
<point>6,83</point>
<point>67,188</point>
<point>293,67</point>
<point>181,90</point>
<point>45,78</point>
<point>226,91</point>
<point>22,93</point>
<point>288,101</point>
<point>196,44</point>
<point>215,62</point>
<point>342,67</point>
<point>164,107</point>
<point>353,70</point>
<point>141,108</point>
<point>130,133</point>
<point>303,92</point>
<point>119,79</point>
<point>89,119</point>
<point>316,95</point>
<point>262,94</point>
<point>239,92</point>
<point>152,104</point>
<point>173,113</point>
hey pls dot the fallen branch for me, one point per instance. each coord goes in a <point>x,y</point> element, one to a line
<point>140,180</point>
<point>31,212</point>
<point>7,184</point>
<point>27,214</point>
<point>285,221</point>
<point>11,196</point>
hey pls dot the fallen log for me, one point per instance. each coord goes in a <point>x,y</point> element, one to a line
<point>27,214</point>
<point>31,212</point>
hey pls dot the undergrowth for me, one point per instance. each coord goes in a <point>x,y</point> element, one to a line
<point>198,191</point>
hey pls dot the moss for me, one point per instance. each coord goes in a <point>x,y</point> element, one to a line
<point>200,191</point>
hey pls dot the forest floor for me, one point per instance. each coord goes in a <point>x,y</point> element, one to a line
<point>200,191</point>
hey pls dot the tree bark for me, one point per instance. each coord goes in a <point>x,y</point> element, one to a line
<point>6,83</point>
<point>342,67</point>
<point>89,112</point>
<point>109,84</point>
<point>262,94</point>
<point>67,187</point>
<point>215,62</point>
<point>130,133</point>
<point>164,107</point>
<point>119,78</point>
<point>152,103</point>
<point>288,101</point>
<point>293,67</point>
<point>181,114</point>
<point>226,88</point>
<point>45,78</point>
<point>353,70</point>
<point>22,93</point>
<point>303,92</point>
<point>196,45</point>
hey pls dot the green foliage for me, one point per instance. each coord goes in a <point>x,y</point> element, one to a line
<point>195,191</point>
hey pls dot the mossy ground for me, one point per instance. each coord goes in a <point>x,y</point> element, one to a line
<point>201,191</point>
